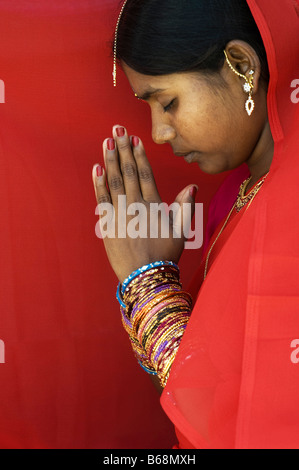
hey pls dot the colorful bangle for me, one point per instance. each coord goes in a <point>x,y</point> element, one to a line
<point>143,269</point>
<point>149,371</point>
<point>155,313</point>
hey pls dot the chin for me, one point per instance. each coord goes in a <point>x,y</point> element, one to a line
<point>211,169</point>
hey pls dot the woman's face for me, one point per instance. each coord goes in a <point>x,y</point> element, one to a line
<point>203,118</point>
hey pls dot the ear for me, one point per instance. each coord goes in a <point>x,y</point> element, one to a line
<point>244,59</point>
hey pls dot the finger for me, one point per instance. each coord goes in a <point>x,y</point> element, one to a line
<point>105,210</point>
<point>187,194</point>
<point>186,199</point>
<point>99,183</point>
<point>147,182</point>
<point>114,176</point>
<point>128,165</point>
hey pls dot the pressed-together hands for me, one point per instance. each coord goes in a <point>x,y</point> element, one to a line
<point>128,173</point>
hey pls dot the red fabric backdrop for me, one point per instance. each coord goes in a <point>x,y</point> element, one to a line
<point>69,379</point>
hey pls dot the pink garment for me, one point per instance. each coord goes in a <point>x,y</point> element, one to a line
<point>224,200</point>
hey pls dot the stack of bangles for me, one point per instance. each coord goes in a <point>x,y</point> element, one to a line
<point>155,312</point>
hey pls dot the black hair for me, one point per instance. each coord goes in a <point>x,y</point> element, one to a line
<point>160,37</point>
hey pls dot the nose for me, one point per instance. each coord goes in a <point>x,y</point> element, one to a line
<point>162,131</point>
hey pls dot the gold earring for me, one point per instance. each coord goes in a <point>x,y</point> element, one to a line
<point>248,86</point>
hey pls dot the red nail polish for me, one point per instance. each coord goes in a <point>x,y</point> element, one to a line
<point>120,131</point>
<point>99,171</point>
<point>135,141</point>
<point>110,144</point>
<point>193,192</point>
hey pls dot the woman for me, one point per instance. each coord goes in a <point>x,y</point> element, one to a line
<point>218,78</point>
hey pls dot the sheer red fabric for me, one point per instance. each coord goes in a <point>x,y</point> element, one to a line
<point>234,382</point>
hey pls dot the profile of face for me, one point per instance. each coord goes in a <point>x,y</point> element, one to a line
<point>203,117</point>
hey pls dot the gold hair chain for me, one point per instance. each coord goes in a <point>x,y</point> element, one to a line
<point>115,43</point>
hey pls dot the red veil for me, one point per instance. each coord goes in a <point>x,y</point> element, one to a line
<point>235,380</point>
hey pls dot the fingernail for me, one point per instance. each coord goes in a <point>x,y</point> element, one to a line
<point>99,171</point>
<point>110,144</point>
<point>135,141</point>
<point>120,131</point>
<point>193,192</point>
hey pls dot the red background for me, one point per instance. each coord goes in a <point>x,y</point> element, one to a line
<point>69,379</point>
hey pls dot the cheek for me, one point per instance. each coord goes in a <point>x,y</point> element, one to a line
<point>209,124</point>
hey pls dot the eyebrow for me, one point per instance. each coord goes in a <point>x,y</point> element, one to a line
<point>149,93</point>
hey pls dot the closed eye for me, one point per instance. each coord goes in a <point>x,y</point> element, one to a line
<point>169,106</point>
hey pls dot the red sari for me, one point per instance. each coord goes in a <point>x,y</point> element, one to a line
<point>234,383</point>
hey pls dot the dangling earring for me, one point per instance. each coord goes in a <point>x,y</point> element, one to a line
<point>248,86</point>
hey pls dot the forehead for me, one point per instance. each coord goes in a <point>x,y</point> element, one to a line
<point>146,85</point>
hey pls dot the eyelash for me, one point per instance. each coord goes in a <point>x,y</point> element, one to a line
<point>169,106</point>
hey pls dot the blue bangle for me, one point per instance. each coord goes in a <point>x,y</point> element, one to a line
<point>143,269</point>
<point>118,296</point>
<point>149,371</point>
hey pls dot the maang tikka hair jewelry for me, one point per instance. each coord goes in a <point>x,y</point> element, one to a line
<point>248,86</point>
<point>115,42</point>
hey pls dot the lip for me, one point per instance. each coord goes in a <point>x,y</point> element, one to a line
<point>188,156</point>
<point>181,154</point>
